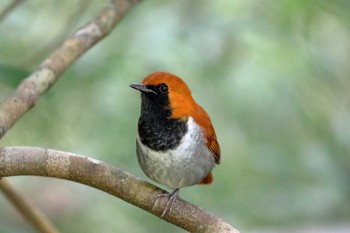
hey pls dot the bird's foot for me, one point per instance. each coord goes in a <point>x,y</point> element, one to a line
<point>172,197</point>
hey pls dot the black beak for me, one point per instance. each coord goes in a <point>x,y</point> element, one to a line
<point>142,87</point>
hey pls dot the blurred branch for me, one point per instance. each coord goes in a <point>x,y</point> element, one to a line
<point>29,211</point>
<point>16,161</point>
<point>9,8</point>
<point>31,88</point>
<point>69,22</point>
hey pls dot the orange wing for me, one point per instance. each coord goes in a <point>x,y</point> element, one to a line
<point>202,118</point>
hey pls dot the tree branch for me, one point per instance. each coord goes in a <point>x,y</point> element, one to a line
<point>29,211</point>
<point>31,88</point>
<point>16,161</point>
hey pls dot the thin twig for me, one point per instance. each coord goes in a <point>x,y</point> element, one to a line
<point>31,88</point>
<point>28,210</point>
<point>16,161</point>
<point>68,24</point>
<point>9,8</point>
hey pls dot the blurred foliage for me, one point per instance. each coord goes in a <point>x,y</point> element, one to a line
<point>273,76</point>
<point>12,76</point>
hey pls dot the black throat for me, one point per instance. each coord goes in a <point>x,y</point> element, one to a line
<point>156,129</point>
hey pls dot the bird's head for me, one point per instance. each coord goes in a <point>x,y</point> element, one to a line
<point>165,92</point>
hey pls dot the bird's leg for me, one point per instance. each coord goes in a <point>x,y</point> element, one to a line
<point>172,197</point>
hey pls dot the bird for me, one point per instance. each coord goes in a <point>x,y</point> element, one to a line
<point>176,144</point>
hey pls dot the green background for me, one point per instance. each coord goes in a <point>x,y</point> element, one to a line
<point>273,76</point>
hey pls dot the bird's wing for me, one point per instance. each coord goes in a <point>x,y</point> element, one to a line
<point>202,118</point>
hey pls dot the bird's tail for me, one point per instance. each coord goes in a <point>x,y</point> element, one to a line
<point>208,179</point>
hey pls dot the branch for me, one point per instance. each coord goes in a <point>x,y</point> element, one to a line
<point>31,88</point>
<point>52,163</point>
<point>29,211</point>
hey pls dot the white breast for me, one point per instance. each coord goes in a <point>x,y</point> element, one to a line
<point>183,166</point>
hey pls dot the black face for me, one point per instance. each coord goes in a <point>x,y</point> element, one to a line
<point>157,129</point>
<point>156,104</point>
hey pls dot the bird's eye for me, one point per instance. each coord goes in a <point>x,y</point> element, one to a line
<point>163,88</point>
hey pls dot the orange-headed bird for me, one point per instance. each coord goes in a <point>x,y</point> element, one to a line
<point>176,142</point>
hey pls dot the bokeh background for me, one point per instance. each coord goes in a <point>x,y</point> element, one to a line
<point>273,76</point>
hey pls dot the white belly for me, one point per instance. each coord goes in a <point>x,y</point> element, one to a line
<point>183,166</point>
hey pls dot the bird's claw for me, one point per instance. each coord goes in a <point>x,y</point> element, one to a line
<point>172,197</point>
